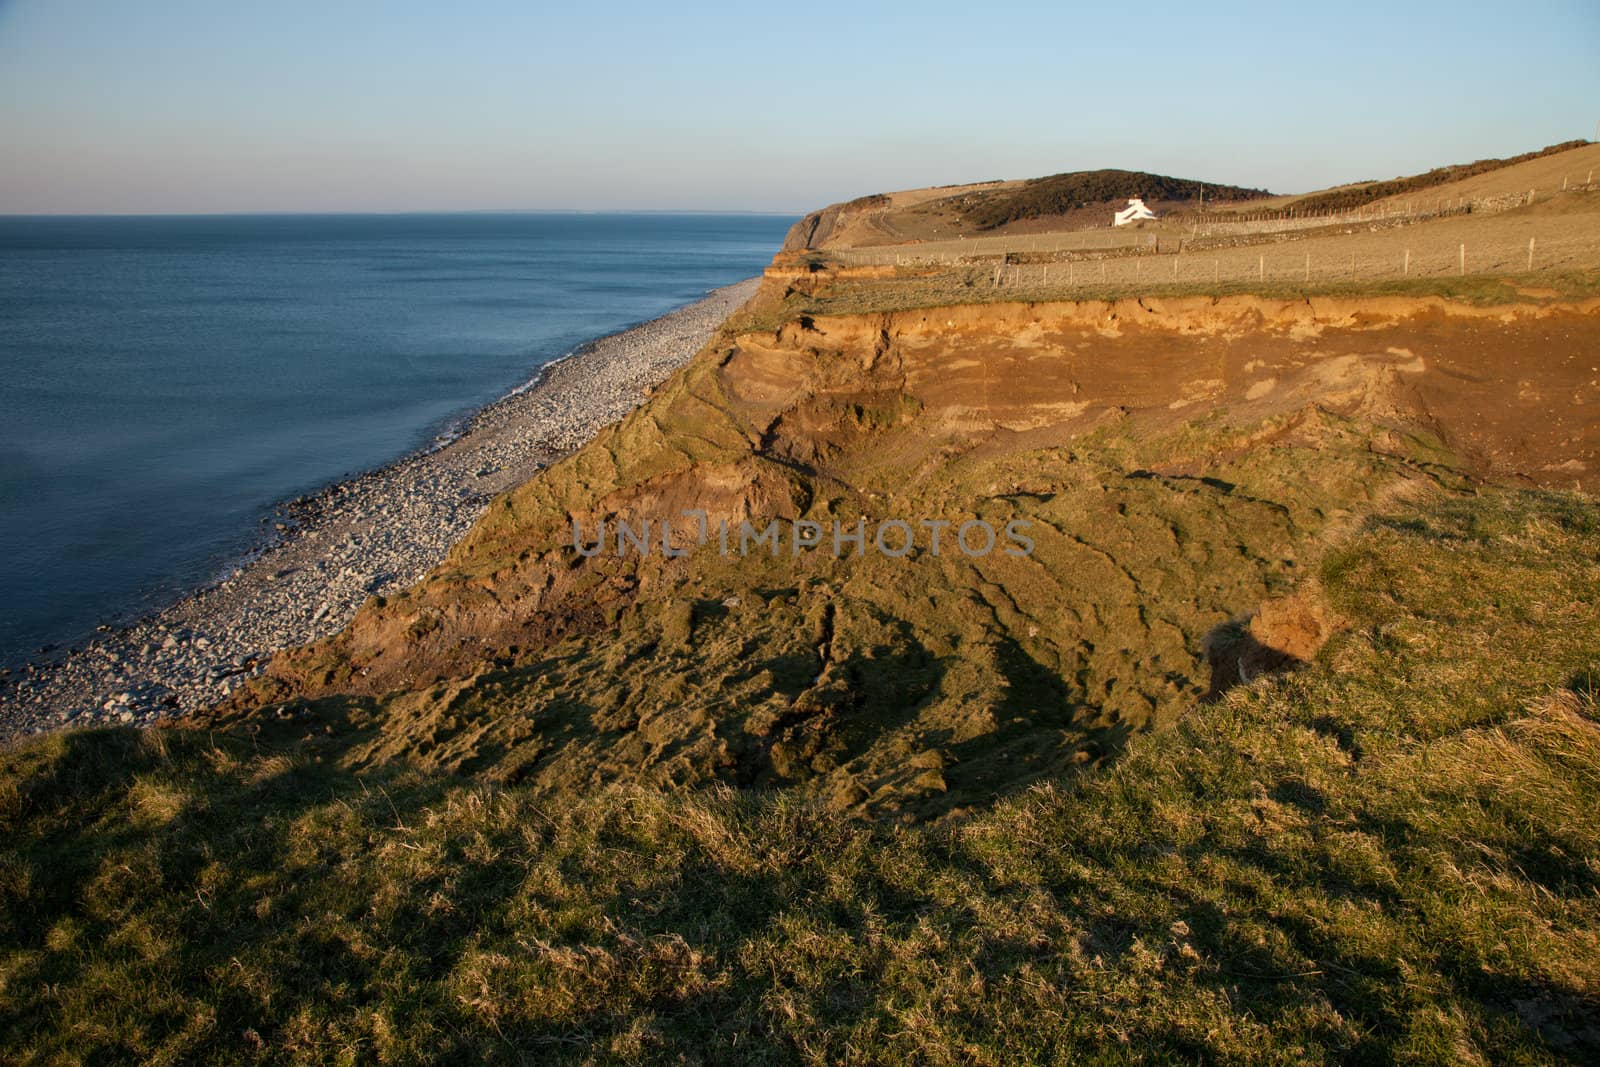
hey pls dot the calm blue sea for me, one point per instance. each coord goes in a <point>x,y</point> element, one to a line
<point>165,381</point>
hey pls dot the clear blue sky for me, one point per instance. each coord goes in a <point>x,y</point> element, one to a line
<point>150,105</point>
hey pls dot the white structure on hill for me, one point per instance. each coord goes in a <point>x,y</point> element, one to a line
<point>1134,212</point>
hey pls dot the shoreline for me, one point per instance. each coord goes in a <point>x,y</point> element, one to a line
<point>370,534</point>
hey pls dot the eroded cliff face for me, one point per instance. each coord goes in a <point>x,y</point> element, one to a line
<point>1171,464</point>
<point>832,226</point>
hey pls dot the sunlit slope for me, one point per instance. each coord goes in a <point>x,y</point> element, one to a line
<point>1175,467</point>
<point>1389,856</point>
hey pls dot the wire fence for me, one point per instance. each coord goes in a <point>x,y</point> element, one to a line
<point>1281,264</point>
<point>1182,230</point>
<point>966,249</point>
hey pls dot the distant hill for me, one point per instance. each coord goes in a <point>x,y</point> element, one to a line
<point>939,213</point>
<point>1061,193</point>
<point>1361,194</point>
<point>1087,198</point>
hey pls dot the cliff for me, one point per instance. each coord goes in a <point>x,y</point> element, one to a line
<point>1264,729</point>
<point>1175,464</point>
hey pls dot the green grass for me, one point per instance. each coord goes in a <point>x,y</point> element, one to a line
<point>896,687</point>
<point>1391,856</point>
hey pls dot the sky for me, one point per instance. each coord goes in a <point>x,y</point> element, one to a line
<point>110,106</point>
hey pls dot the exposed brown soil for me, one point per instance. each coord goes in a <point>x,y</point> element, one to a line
<point>1181,461</point>
<point>1513,389</point>
<point>1283,634</point>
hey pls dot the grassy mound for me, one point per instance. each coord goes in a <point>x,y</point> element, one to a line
<point>1061,193</point>
<point>902,687</point>
<point>1391,855</point>
<point>1370,192</point>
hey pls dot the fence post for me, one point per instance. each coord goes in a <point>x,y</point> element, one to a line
<point>1463,259</point>
<point>1262,268</point>
<point>1405,267</point>
<point>1530,253</point>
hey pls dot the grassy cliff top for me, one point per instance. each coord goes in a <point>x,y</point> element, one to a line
<point>1389,856</point>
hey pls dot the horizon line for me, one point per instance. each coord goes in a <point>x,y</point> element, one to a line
<point>386,214</point>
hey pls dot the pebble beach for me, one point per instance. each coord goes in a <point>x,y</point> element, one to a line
<point>326,554</point>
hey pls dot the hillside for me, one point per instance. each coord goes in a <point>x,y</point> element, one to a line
<point>985,215</point>
<point>1074,200</point>
<point>1263,730</point>
<point>1064,193</point>
<point>1161,506</point>
<point>1507,175</point>
<point>1367,861</point>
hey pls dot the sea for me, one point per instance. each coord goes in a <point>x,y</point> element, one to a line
<point>165,382</point>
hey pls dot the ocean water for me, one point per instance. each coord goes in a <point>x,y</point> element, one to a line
<point>164,381</point>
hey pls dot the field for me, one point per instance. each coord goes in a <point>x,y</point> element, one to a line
<point>1389,857</point>
<point>1565,231</point>
<point>1550,174</point>
<point>1565,241</point>
<point>1393,238</point>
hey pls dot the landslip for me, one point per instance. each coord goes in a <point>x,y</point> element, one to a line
<point>921,675</point>
<point>1177,468</point>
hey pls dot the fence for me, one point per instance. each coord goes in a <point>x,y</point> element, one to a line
<point>1129,241</point>
<point>1282,264</point>
<point>960,250</point>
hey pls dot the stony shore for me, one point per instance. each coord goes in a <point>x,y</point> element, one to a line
<point>375,533</point>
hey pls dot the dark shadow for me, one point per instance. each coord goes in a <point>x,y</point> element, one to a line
<point>1045,730</point>
<point>1206,480</point>
<point>1235,657</point>
<point>1586,684</point>
<point>1308,798</point>
<point>1342,733</point>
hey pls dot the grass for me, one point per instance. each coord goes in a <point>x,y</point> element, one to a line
<point>917,288</point>
<point>1390,856</point>
<point>1366,193</point>
<point>1061,193</point>
<point>904,688</point>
